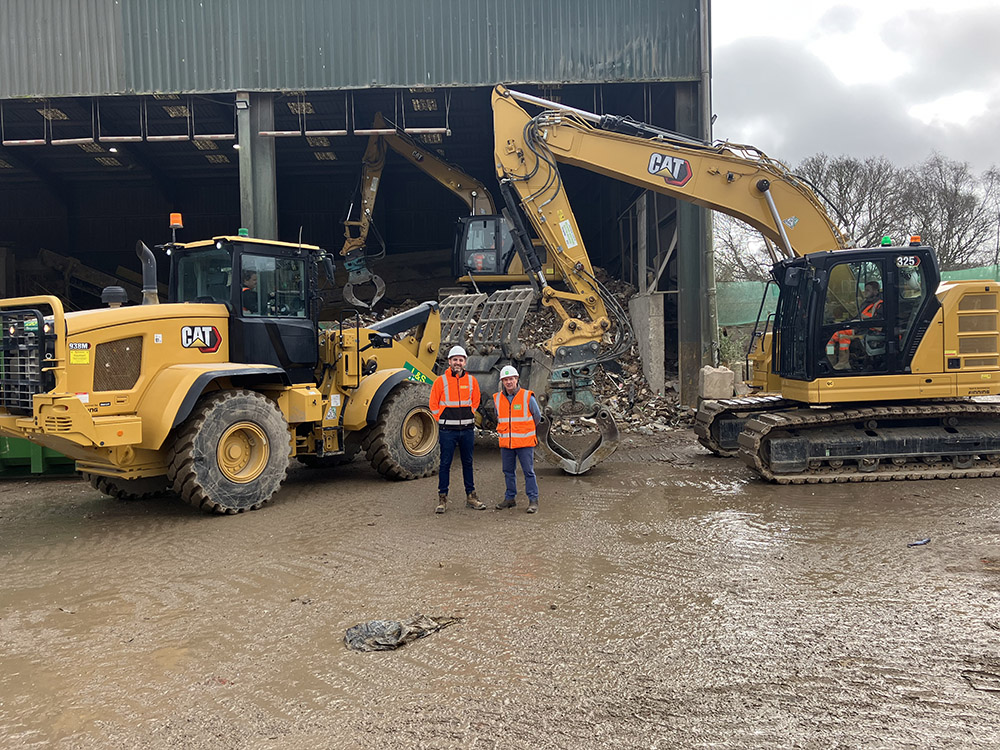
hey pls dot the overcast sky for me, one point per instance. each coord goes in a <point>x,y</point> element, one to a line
<point>899,78</point>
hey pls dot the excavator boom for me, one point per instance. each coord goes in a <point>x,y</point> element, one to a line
<point>382,137</point>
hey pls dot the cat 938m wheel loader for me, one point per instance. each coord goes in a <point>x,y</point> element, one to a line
<point>212,394</point>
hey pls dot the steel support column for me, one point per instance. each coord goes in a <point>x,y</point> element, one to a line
<point>695,335</point>
<point>258,186</point>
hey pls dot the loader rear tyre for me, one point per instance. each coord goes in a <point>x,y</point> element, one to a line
<point>128,489</point>
<point>403,443</point>
<point>231,454</point>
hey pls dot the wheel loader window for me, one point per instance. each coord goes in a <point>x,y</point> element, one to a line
<point>205,276</point>
<point>273,287</point>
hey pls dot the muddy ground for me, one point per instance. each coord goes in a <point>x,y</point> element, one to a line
<point>667,599</point>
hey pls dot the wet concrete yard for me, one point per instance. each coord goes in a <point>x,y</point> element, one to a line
<point>666,599</point>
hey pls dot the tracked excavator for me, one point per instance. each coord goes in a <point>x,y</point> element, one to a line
<point>528,149</point>
<point>473,262</point>
<point>898,403</point>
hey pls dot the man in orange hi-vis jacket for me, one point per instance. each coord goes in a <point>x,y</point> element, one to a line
<point>518,416</point>
<point>454,400</point>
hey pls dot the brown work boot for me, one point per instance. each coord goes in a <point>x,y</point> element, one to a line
<point>505,503</point>
<point>442,502</point>
<point>533,506</point>
<point>472,501</point>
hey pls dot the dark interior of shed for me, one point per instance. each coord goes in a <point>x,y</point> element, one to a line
<point>85,178</point>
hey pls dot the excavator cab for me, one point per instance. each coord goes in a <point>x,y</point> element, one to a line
<point>485,253</point>
<point>267,288</point>
<point>849,313</point>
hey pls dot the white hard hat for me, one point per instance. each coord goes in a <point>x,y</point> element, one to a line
<point>457,351</point>
<point>508,371</point>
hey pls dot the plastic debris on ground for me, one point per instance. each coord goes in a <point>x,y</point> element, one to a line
<point>387,635</point>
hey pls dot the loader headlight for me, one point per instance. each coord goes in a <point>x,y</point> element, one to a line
<point>46,328</point>
<point>11,329</point>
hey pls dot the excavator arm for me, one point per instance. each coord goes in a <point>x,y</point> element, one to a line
<point>467,188</point>
<point>738,180</point>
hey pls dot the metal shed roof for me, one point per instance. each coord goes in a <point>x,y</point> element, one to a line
<point>52,48</point>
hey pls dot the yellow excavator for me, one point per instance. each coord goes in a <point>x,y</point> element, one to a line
<point>896,406</point>
<point>473,261</point>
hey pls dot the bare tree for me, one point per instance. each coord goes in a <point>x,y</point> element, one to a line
<point>869,196</point>
<point>954,211</point>
<point>740,250</point>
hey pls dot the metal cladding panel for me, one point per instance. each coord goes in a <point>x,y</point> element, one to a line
<point>60,48</point>
<point>92,47</point>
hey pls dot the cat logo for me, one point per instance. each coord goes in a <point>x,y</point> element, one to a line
<point>674,171</point>
<point>206,339</point>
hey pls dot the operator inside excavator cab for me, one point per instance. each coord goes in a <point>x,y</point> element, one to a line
<point>855,297</point>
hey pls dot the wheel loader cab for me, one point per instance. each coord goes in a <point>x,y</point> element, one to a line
<point>853,312</point>
<point>267,287</point>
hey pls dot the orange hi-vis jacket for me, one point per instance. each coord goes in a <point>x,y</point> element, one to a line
<point>454,401</point>
<point>514,421</point>
<point>875,308</point>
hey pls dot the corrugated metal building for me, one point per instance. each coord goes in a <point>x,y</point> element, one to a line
<point>115,112</point>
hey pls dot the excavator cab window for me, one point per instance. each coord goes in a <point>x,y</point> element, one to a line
<point>480,251</point>
<point>875,310</point>
<point>853,331</point>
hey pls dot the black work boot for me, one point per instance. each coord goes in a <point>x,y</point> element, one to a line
<point>533,506</point>
<point>472,501</point>
<point>442,502</point>
<point>505,503</point>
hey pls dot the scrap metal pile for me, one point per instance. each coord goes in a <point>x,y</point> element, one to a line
<point>635,406</point>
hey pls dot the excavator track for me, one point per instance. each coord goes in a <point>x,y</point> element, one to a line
<point>939,440</point>
<point>719,422</point>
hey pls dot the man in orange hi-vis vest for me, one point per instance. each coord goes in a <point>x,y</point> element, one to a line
<point>454,400</point>
<point>517,417</point>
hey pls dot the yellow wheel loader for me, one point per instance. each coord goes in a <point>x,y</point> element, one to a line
<point>213,393</point>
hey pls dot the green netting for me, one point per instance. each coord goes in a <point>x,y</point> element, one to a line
<point>739,301</point>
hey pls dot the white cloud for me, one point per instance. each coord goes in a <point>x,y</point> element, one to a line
<point>901,79</point>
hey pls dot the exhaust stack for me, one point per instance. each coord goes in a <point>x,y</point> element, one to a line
<point>150,295</point>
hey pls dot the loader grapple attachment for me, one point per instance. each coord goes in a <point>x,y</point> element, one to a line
<point>457,312</point>
<point>501,320</point>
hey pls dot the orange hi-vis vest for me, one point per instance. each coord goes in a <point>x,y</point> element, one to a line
<point>457,400</point>
<point>514,421</point>
<point>875,308</point>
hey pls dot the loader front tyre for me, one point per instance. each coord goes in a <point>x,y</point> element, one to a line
<point>403,443</point>
<point>128,489</point>
<point>231,454</point>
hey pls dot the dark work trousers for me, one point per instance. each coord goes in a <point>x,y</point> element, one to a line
<point>510,457</point>
<point>463,440</point>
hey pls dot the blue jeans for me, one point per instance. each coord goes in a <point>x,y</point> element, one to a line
<point>450,439</point>
<point>510,457</point>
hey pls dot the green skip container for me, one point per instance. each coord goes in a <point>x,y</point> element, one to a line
<point>19,456</point>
